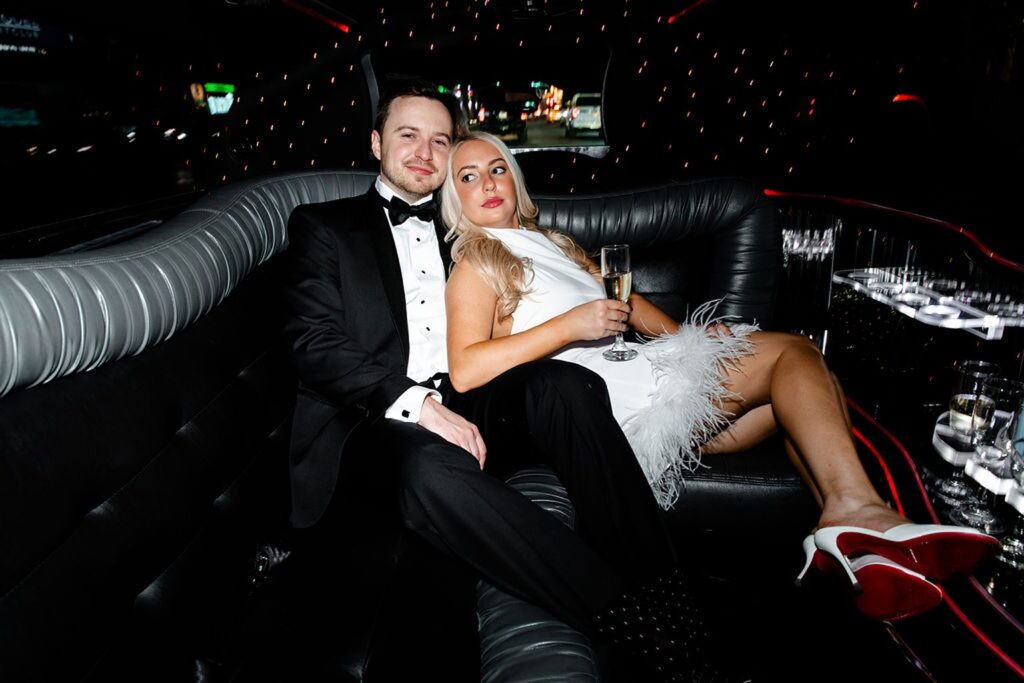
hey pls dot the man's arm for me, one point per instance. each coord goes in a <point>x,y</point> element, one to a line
<point>326,358</point>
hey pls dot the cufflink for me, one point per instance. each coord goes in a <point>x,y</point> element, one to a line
<point>405,413</point>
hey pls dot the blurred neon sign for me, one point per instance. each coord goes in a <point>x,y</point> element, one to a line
<point>220,104</point>
<point>17,117</point>
<point>20,35</point>
<point>21,27</point>
<point>217,98</point>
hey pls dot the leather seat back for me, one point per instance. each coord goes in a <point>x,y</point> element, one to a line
<point>691,242</point>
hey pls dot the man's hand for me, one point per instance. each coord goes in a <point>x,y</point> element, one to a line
<point>453,428</point>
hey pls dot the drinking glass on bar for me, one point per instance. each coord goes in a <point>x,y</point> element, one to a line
<point>969,375</point>
<point>618,283</point>
<point>1012,553</point>
<point>994,409</point>
<point>993,413</point>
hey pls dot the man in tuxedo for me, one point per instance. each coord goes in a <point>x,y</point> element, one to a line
<point>367,325</point>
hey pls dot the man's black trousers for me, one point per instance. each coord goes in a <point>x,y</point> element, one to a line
<point>546,412</point>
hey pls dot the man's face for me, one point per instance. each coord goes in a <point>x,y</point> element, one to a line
<point>413,147</point>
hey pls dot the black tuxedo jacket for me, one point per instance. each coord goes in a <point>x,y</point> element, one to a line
<point>348,330</point>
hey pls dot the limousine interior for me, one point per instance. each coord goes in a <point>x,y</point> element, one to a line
<point>846,171</point>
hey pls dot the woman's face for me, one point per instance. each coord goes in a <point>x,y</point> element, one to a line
<point>484,184</point>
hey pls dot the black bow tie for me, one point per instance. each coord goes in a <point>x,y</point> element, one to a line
<point>399,211</point>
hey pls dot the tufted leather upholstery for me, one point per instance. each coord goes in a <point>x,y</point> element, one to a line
<point>520,641</point>
<point>132,495</point>
<point>148,458</point>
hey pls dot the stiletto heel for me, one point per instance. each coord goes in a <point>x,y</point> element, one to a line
<point>826,541</point>
<point>813,556</point>
<point>810,550</point>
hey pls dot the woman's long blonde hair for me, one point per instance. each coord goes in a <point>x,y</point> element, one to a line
<point>506,273</point>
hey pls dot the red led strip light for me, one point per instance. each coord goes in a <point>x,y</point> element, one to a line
<point>904,97</point>
<point>678,15</point>
<point>344,28</point>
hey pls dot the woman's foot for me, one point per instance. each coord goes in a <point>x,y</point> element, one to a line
<point>873,515</point>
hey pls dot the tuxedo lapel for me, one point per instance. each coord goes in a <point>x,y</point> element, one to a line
<point>387,264</point>
<point>445,247</point>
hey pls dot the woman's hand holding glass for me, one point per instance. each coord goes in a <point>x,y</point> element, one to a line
<point>596,320</point>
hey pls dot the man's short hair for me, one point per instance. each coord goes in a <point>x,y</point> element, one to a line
<point>418,88</point>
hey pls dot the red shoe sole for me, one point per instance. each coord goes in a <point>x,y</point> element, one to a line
<point>937,555</point>
<point>889,594</point>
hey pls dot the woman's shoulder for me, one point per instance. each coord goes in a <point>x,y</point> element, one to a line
<point>464,273</point>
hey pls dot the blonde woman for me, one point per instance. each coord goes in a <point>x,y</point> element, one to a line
<point>519,293</point>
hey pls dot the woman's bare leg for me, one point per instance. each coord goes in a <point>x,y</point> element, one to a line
<point>753,427</point>
<point>787,374</point>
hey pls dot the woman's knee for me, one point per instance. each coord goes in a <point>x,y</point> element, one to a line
<point>778,343</point>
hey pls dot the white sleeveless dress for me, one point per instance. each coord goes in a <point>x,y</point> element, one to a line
<point>668,399</point>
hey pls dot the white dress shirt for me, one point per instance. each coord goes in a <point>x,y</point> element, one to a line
<point>419,257</point>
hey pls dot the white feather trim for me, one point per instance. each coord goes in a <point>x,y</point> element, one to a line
<point>685,410</point>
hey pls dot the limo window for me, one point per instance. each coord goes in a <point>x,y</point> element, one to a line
<point>536,101</point>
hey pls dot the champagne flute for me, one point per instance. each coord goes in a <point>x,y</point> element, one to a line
<point>618,282</point>
<point>994,409</point>
<point>970,375</point>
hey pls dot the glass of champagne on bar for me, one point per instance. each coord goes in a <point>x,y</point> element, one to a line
<point>969,377</point>
<point>994,408</point>
<point>618,283</point>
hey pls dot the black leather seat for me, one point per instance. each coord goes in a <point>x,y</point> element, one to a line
<point>139,478</point>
